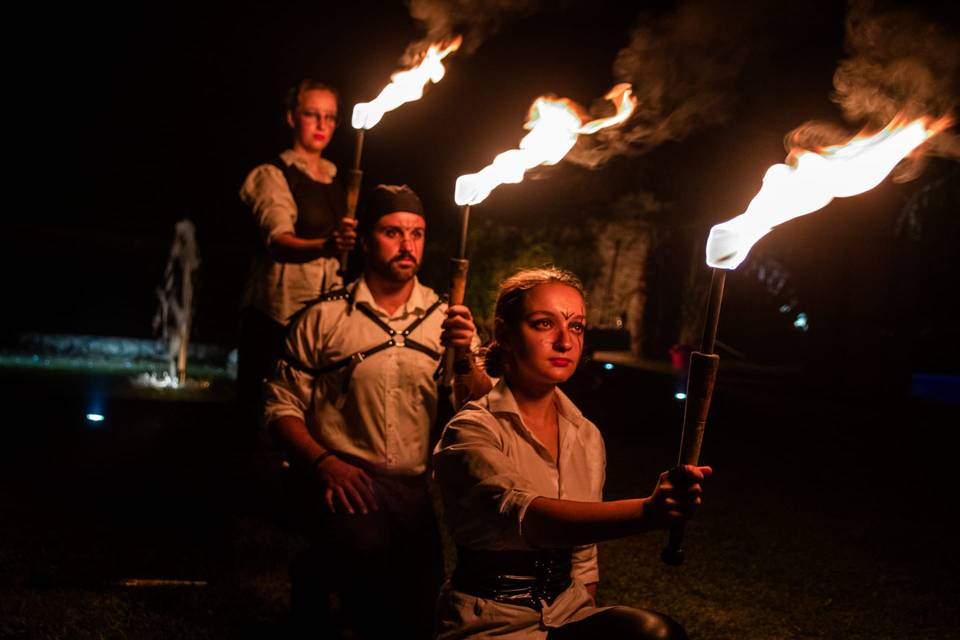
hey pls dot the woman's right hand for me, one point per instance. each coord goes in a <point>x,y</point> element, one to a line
<point>345,235</point>
<point>346,485</point>
<point>677,495</point>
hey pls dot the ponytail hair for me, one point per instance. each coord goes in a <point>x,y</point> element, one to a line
<point>508,312</point>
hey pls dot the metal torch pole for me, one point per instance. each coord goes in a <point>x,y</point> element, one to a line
<point>458,287</point>
<point>700,381</point>
<point>353,193</point>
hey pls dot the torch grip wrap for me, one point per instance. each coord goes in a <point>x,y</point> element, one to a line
<point>353,196</point>
<point>700,382</point>
<point>458,287</point>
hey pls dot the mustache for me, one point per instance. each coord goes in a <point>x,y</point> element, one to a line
<point>404,256</point>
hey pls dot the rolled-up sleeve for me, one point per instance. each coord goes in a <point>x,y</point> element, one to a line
<point>290,391</point>
<point>470,463</point>
<point>586,567</point>
<point>268,195</point>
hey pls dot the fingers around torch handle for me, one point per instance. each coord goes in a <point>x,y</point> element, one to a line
<point>457,336</point>
<point>458,329</point>
<point>682,476</point>
<point>673,554</point>
<point>688,475</point>
<point>345,235</point>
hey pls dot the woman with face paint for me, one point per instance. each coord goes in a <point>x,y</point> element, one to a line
<point>521,473</point>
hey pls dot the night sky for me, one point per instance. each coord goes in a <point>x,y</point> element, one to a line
<point>158,112</point>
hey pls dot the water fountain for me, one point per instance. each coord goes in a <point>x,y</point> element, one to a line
<point>175,299</point>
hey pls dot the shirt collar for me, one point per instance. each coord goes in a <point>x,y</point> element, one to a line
<point>415,304</point>
<point>291,157</point>
<point>501,400</point>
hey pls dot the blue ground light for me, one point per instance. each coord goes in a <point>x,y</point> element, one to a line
<point>941,388</point>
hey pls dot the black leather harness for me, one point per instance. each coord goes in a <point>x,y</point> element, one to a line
<point>400,339</point>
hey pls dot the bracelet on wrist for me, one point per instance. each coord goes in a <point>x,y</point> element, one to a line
<point>323,456</point>
<point>462,366</point>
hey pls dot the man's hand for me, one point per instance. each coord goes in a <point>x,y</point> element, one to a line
<point>346,485</point>
<point>676,495</point>
<point>345,236</point>
<point>458,328</point>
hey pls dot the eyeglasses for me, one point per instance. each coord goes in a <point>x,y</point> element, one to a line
<point>320,117</point>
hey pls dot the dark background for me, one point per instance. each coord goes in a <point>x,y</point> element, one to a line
<point>132,119</point>
<point>832,509</point>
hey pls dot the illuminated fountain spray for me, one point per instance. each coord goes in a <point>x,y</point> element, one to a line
<point>175,300</point>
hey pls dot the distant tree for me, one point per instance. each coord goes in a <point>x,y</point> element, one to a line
<point>498,248</point>
<point>607,247</point>
<point>625,235</point>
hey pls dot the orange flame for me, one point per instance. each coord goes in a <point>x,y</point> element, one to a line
<point>813,179</point>
<point>405,86</point>
<point>554,125</point>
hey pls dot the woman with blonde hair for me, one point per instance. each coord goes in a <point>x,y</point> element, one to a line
<point>521,473</point>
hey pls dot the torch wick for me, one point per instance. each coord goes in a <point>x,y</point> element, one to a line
<point>713,311</point>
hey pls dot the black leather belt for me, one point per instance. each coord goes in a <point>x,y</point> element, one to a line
<point>525,578</point>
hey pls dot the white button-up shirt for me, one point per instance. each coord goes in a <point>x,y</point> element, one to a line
<point>385,413</point>
<point>490,467</point>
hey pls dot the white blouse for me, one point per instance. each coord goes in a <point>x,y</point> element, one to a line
<point>490,467</point>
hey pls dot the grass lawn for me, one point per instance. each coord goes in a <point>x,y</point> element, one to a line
<point>827,517</point>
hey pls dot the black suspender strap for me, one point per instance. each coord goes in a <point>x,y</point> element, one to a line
<point>367,311</point>
<point>426,314</point>
<point>422,348</point>
<point>360,356</point>
<point>357,357</point>
<point>404,340</point>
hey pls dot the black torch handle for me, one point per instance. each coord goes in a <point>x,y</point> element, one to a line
<point>700,382</point>
<point>353,193</point>
<point>458,288</point>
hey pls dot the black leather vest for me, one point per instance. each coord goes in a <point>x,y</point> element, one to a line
<point>319,206</point>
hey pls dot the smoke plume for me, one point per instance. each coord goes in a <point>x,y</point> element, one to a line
<point>683,67</point>
<point>475,20</point>
<point>899,62</point>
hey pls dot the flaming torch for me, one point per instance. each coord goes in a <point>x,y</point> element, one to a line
<point>811,180</point>
<point>405,86</point>
<point>554,125</point>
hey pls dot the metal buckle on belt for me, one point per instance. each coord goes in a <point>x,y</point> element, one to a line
<point>529,591</point>
<point>532,582</point>
<point>524,597</point>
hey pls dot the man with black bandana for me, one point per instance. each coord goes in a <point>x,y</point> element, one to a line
<point>353,402</point>
<point>299,207</point>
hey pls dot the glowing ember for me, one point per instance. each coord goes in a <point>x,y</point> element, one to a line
<point>405,86</point>
<point>814,179</point>
<point>554,124</point>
